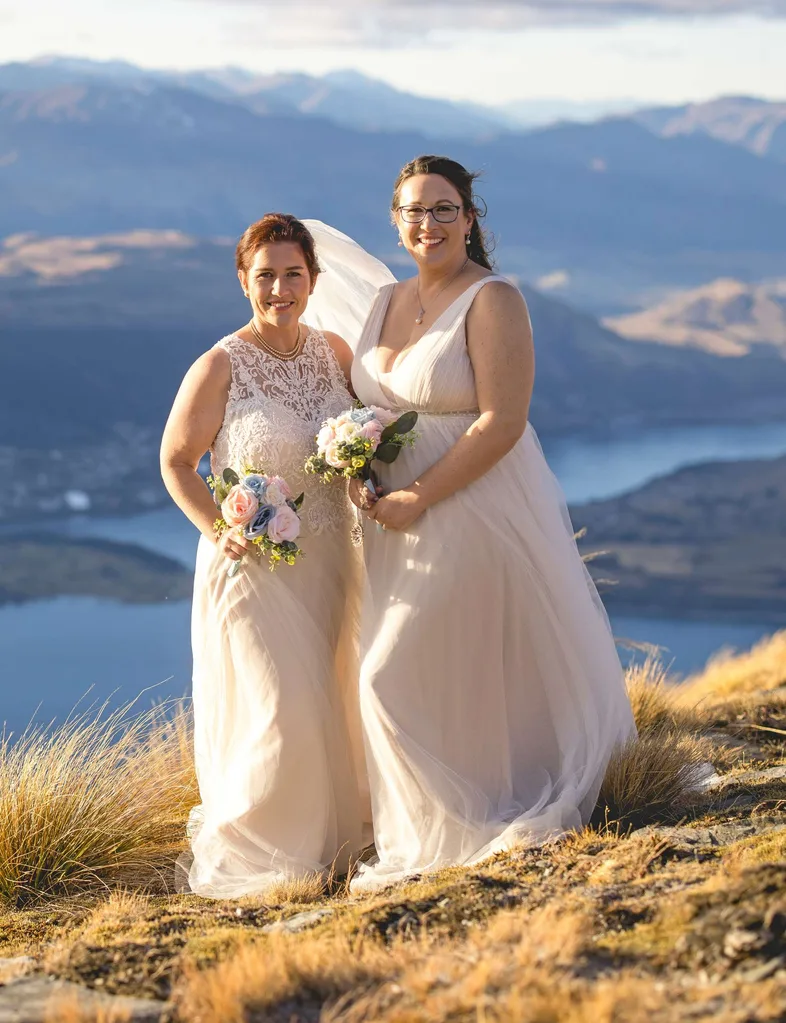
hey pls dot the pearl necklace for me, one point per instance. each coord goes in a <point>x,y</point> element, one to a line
<point>422,313</point>
<point>266,346</point>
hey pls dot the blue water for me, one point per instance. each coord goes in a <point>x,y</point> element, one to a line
<point>54,653</point>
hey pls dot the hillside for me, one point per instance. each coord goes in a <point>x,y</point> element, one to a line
<point>753,124</point>
<point>617,209</point>
<point>725,317</point>
<point>706,541</point>
<point>668,909</point>
<point>102,329</point>
<point>43,567</point>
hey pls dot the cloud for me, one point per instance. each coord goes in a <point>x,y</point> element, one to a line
<point>384,23</point>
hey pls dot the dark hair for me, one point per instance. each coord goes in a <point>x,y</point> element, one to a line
<point>277,227</point>
<point>463,181</point>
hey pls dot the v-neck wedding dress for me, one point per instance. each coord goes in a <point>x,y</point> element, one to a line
<point>491,691</point>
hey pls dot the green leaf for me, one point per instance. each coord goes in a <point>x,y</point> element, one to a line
<point>220,492</point>
<point>387,453</point>
<point>230,477</point>
<point>407,422</point>
<point>299,501</point>
<point>403,424</point>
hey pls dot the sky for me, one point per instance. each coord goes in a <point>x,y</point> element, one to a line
<point>489,51</point>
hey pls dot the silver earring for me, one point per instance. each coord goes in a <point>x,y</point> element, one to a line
<point>469,239</point>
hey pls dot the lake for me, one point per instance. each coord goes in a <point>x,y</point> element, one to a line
<point>55,652</point>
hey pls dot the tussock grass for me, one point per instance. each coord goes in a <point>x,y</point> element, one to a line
<point>101,800</point>
<point>297,890</point>
<point>605,926</point>
<point>730,676</point>
<point>649,776</point>
<point>291,971</point>
<point>654,700</point>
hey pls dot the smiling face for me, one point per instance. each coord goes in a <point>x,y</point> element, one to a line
<point>433,242</point>
<point>278,283</point>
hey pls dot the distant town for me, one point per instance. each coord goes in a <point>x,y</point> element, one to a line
<point>117,477</point>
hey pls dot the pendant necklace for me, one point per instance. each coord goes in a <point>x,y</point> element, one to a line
<point>422,313</point>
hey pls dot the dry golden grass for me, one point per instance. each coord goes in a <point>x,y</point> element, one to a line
<point>100,800</point>
<point>297,890</point>
<point>73,1010</point>
<point>581,931</point>
<point>769,847</point>
<point>653,698</point>
<point>305,969</point>
<point>729,676</point>
<point>360,981</point>
<point>649,776</point>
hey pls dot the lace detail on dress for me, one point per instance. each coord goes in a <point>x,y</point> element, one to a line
<point>273,413</point>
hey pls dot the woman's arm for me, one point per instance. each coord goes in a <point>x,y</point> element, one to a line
<point>499,342</point>
<point>193,423</point>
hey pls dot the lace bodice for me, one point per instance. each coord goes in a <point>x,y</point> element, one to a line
<point>273,413</point>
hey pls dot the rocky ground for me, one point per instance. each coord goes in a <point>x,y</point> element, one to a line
<point>665,911</point>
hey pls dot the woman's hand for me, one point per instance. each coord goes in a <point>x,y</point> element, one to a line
<point>398,510</point>
<point>361,496</point>
<point>235,546</point>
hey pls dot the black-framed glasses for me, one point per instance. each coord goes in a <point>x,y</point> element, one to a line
<point>444,213</point>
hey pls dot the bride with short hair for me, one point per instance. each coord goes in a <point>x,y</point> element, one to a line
<point>275,656</point>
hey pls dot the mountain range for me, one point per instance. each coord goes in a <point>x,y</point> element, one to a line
<point>753,124</point>
<point>100,331</point>
<point>726,317</point>
<point>122,190</point>
<point>612,211</point>
<point>348,98</point>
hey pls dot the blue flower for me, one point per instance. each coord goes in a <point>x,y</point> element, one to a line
<point>361,415</point>
<point>256,484</point>
<point>258,525</point>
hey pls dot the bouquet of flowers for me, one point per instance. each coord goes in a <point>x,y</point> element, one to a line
<point>261,509</point>
<point>349,443</point>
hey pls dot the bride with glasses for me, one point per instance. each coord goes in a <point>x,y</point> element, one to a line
<point>491,692</point>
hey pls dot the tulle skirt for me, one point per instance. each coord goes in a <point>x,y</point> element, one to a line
<point>491,691</point>
<point>275,712</point>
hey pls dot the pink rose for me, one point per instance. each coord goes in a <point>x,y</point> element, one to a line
<point>285,525</point>
<point>385,416</point>
<point>332,457</point>
<point>372,431</point>
<point>239,507</point>
<point>277,491</point>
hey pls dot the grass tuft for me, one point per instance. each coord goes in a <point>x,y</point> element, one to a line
<point>99,801</point>
<point>729,676</point>
<point>649,776</point>
<point>297,890</point>
<point>654,700</point>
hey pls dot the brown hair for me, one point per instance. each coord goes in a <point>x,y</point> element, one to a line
<point>277,227</point>
<point>463,181</point>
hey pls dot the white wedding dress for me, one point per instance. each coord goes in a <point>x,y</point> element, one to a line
<point>491,691</point>
<point>275,670</point>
